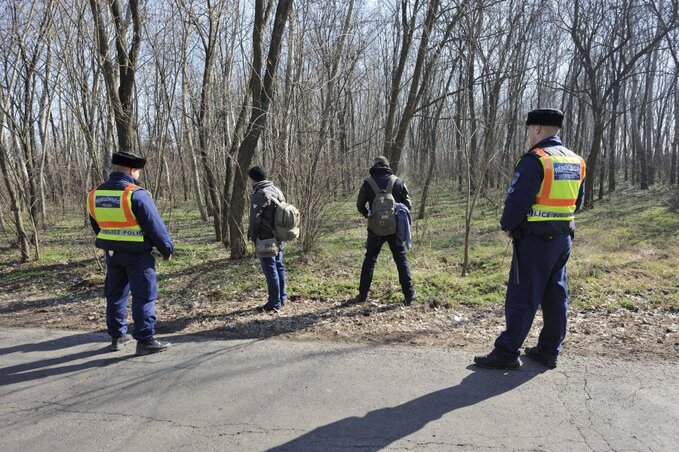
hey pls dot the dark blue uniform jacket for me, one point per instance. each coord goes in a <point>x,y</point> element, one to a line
<point>525,185</point>
<point>146,213</point>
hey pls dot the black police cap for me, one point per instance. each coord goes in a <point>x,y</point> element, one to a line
<point>128,159</point>
<point>545,117</point>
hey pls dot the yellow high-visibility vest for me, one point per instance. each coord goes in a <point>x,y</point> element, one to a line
<point>112,210</point>
<point>563,172</point>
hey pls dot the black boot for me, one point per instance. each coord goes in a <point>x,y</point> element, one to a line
<point>118,342</point>
<point>151,346</point>
<point>494,360</point>
<point>536,354</point>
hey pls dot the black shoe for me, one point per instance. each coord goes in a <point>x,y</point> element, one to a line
<point>358,299</point>
<point>493,360</point>
<point>265,308</point>
<point>151,346</point>
<point>118,342</point>
<point>409,300</point>
<point>535,354</point>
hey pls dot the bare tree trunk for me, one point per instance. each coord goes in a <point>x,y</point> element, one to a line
<point>612,139</point>
<point>675,147</point>
<point>421,75</point>
<point>648,117</point>
<point>286,129</point>
<point>209,46</point>
<point>3,225</point>
<point>430,140</point>
<point>592,159</point>
<point>120,93</point>
<point>262,96</point>
<point>14,197</point>
<point>636,138</point>
<point>15,206</point>
<point>312,186</point>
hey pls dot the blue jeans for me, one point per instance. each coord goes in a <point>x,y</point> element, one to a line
<point>133,272</point>
<point>274,271</point>
<point>398,251</point>
<point>542,283</point>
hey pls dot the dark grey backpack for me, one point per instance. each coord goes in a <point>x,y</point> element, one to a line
<point>383,219</point>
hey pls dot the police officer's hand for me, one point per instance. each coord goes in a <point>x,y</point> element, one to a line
<point>167,258</point>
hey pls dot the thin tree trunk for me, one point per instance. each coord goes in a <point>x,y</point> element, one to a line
<point>14,197</point>
<point>262,97</point>
<point>612,139</point>
<point>187,128</point>
<point>597,136</point>
<point>638,144</point>
<point>203,140</point>
<point>675,147</point>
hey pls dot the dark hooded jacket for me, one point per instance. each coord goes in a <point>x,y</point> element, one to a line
<point>262,210</point>
<point>381,174</point>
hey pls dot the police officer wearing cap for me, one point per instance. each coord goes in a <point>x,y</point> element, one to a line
<point>544,194</point>
<point>128,226</point>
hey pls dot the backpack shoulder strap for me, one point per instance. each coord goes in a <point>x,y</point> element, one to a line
<point>390,184</point>
<point>373,184</point>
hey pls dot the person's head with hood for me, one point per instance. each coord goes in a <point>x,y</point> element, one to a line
<point>380,167</point>
<point>381,161</point>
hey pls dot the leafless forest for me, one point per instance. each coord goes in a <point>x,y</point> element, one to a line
<point>314,89</point>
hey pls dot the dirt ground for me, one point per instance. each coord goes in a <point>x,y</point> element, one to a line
<point>641,334</point>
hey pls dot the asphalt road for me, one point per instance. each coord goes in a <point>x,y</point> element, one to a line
<point>63,391</point>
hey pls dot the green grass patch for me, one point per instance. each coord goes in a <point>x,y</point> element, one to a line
<point>625,255</point>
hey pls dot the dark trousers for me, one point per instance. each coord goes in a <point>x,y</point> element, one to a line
<point>372,251</point>
<point>136,273</point>
<point>542,282</point>
<point>274,271</point>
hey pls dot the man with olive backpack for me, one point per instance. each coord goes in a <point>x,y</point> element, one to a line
<point>382,190</point>
<point>272,222</point>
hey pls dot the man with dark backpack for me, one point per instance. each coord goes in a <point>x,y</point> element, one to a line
<point>382,190</point>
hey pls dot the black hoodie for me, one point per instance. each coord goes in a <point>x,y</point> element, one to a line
<point>381,174</point>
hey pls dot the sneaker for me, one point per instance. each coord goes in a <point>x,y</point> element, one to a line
<point>494,360</point>
<point>536,354</point>
<point>151,346</point>
<point>409,300</point>
<point>118,342</point>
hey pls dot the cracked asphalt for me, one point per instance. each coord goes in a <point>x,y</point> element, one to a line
<point>63,391</point>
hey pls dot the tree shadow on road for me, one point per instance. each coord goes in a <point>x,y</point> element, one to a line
<point>380,428</point>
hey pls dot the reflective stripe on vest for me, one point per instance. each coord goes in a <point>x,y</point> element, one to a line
<point>112,210</point>
<point>564,172</point>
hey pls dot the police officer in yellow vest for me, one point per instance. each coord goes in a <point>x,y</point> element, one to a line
<point>544,194</point>
<point>128,226</point>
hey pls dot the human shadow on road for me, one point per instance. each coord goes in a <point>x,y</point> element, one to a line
<point>56,343</point>
<point>380,428</point>
<point>44,368</point>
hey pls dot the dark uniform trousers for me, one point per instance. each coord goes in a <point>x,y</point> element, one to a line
<point>131,272</point>
<point>398,251</point>
<point>542,282</point>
